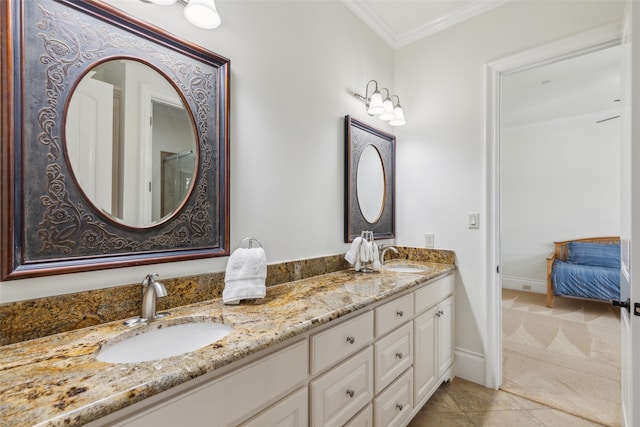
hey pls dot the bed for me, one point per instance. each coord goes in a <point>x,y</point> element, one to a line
<point>584,268</point>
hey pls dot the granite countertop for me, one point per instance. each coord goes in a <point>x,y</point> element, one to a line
<point>57,380</point>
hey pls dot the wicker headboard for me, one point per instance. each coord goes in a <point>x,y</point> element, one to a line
<point>561,247</point>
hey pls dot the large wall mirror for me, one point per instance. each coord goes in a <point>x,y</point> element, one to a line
<point>369,181</point>
<point>114,142</point>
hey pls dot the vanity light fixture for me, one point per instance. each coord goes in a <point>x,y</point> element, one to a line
<point>201,13</point>
<point>384,109</point>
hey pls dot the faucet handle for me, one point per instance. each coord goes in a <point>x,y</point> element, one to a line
<point>149,279</point>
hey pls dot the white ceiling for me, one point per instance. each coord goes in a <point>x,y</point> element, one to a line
<point>583,86</point>
<point>400,22</point>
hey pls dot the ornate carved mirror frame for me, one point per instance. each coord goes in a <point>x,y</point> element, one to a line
<point>358,136</point>
<point>48,226</point>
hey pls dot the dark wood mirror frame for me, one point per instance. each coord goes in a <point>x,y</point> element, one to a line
<point>47,225</point>
<point>359,135</point>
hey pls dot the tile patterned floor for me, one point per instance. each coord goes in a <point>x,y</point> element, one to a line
<point>461,403</point>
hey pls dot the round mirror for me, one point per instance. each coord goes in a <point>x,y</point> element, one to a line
<point>370,184</point>
<point>131,142</point>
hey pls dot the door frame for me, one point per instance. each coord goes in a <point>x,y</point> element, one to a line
<point>573,46</point>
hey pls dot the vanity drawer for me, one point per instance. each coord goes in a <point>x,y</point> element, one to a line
<point>341,341</point>
<point>393,355</point>
<point>393,314</point>
<point>363,419</point>
<point>393,406</point>
<point>340,393</point>
<point>289,412</point>
<point>433,293</point>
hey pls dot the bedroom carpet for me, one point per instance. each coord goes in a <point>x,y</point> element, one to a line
<point>566,357</point>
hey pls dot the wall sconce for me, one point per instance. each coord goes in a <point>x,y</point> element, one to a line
<point>201,13</point>
<point>383,108</point>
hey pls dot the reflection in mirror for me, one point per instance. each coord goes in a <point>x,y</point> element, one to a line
<point>370,184</point>
<point>130,142</point>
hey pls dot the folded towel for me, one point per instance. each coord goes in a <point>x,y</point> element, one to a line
<point>352,254</point>
<point>365,251</point>
<point>245,275</point>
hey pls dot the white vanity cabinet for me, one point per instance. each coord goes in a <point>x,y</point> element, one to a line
<point>433,337</point>
<point>373,368</point>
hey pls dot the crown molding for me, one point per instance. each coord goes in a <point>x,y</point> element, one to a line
<point>457,16</point>
<point>377,24</point>
<point>372,20</point>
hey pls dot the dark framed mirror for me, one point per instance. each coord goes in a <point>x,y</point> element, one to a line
<point>115,141</point>
<point>369,181</point>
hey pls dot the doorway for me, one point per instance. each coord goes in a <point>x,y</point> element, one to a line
<point>568,48</point>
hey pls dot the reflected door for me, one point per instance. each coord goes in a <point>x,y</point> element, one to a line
<point>90,140</point>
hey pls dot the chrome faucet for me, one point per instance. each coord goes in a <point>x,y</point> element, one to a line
<point>151,290</point>
<point>384,250</point>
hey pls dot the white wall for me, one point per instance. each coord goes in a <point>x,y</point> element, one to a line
<point>441,153</point>
<point>294,68</point>
<point>560,181</point>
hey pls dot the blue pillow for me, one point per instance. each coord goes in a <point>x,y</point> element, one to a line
<point>602,255</point>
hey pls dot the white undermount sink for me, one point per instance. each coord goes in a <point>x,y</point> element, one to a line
<point>162,342</point>
<point>406,268</point>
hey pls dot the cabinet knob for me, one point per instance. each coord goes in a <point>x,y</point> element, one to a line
<point>399,406</point>
<point>350,393</point>
<point>400,313</point>
<point>399,355</point>
<point>351,340</point>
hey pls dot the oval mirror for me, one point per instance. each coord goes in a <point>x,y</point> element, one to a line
<point>131,142</point>
<point>370,184</point>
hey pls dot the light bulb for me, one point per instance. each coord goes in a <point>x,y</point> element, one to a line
<point>202,13</point>
<point>388,113</point>
<point>375,105</point>
<point>163,2</point>
<point>398,120</point>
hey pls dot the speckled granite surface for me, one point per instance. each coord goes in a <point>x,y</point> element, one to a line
<point>26,320</point>
<point>57,380</point>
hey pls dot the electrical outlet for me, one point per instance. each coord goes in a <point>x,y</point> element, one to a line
<point>526,287</point>
<point>429,239</point>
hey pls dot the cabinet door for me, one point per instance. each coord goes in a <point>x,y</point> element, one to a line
<point>445,335</point>
<point>289,412</point>
<point>424,360</point>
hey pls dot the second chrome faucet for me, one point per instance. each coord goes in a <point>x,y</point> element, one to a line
<point>383,251</point>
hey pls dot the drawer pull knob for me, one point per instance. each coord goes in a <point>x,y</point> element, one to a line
<point>400,313</point>
<point>399,406</point>
<point>351,340</point>
<point>399,355</point>
<point>350,393</point>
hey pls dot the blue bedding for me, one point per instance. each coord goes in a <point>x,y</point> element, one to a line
<point>586,281</point>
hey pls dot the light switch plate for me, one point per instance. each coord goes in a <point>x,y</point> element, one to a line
<point>474,220</point>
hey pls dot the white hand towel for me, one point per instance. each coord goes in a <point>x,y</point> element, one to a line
<point>245,275</point>
<point>376,256</point>
<point>365,250</point>
<point>352,254</point>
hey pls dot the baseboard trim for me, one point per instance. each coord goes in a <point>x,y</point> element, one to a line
<point>522,284</point>
<point>469,366</point>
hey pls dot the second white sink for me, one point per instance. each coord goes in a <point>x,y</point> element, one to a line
<point>406,268</point>
<point>164,342</point>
